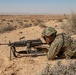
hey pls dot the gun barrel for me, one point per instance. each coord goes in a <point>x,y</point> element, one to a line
<point>4,44</point>
<point>23,43</point>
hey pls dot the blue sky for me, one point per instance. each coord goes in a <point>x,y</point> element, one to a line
<point>38,6</point>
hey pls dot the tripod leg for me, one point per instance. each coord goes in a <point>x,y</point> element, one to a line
<point>10,52</point>
<point>14,51</point>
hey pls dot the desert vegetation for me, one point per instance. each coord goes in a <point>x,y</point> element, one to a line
<point>9,22</point>
<point>6,28</point>
<point>12,27</point>
<point>60,69</point>
<point>70,26</point>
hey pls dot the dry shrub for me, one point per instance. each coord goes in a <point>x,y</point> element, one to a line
<point>60,20</point>
<point>39,20</point>
<point>70,26</point>
<point>11,21</point>
<point>42,25</point>
<point>3,20</point>
<point>8,23</point>
<point>60,69</point>
<point>21,23</point>
<point>35,23</point>
<point>27,25</point>
<point>72,21</point>
<point>32,20</point>
<point>26,20</point>
<point>6,28</point>
<point>66,28</point>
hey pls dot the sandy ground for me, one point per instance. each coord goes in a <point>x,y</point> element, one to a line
<point>26,65</point>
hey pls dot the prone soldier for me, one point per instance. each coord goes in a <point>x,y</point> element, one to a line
<point>60,45</point>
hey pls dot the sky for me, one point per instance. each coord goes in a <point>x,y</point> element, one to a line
<point>38,6</point>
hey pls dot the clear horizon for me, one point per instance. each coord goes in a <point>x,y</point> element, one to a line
<point>37,6</point>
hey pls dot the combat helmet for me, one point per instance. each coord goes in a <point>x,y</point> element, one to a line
<point>48,31</point>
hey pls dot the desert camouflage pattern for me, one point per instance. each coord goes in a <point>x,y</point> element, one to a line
<point>62,46</point>
<point>48,31</point>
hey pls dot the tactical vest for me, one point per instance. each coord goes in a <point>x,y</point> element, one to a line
<point>68,47</point>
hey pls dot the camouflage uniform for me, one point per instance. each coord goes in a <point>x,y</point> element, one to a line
<point>62,46</point>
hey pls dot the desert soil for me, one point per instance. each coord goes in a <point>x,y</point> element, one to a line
<point>26,65</point>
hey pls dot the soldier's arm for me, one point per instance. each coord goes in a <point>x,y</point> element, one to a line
<point>54,48</point>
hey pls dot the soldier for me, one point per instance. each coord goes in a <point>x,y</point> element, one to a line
<point>60,45</point>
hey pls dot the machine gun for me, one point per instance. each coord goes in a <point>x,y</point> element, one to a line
<point>25,43</point>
